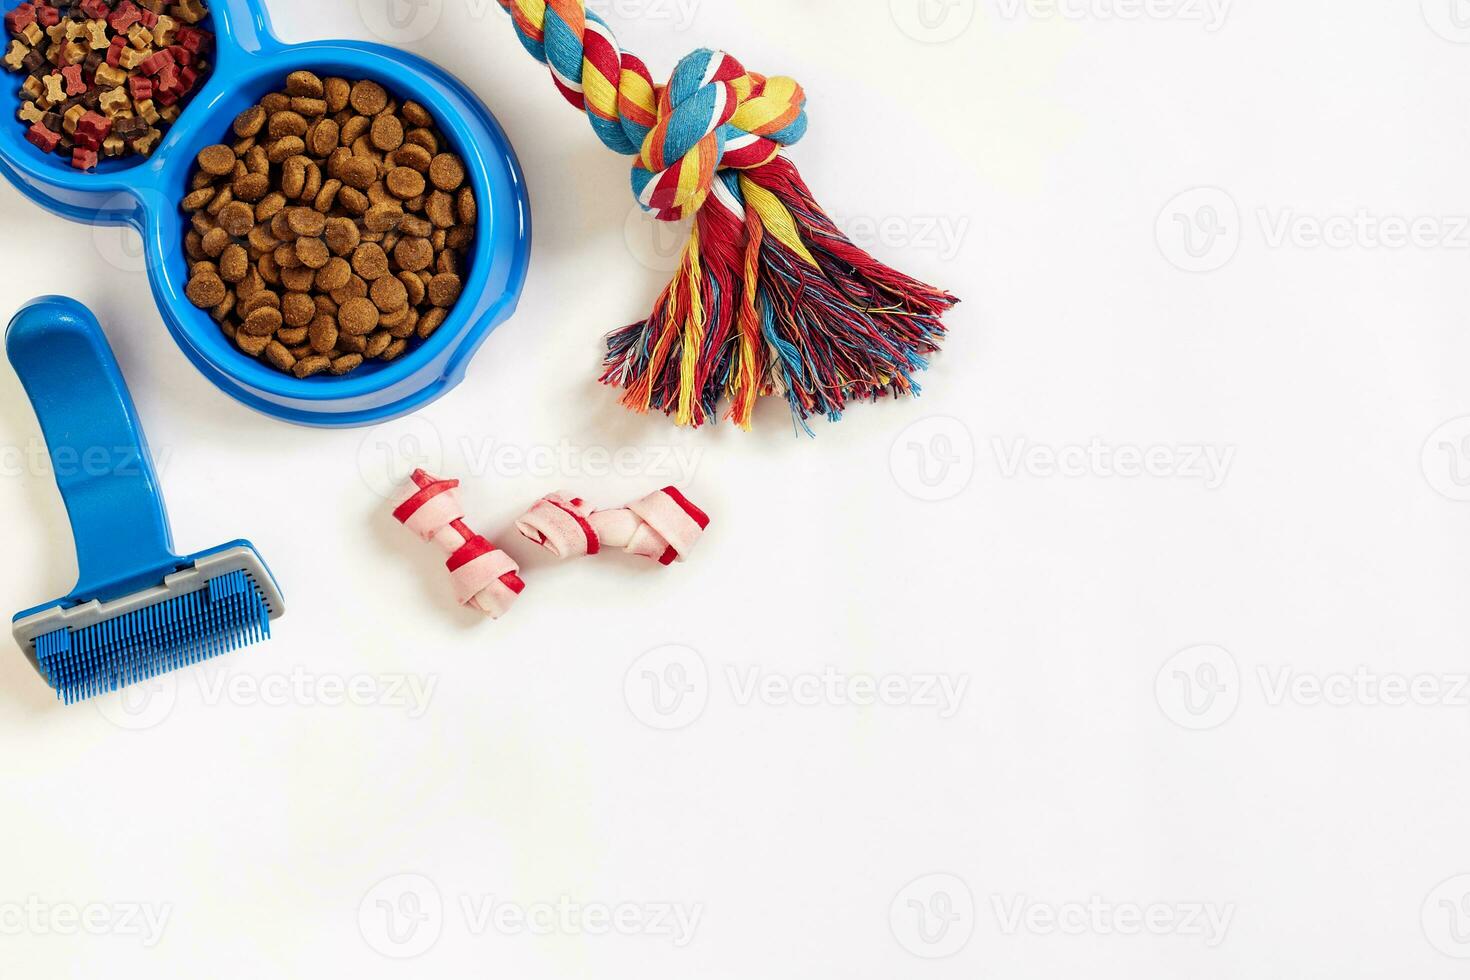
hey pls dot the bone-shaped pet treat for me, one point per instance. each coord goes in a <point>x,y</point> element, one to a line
<point>663,526</point>
<point>484,577</point>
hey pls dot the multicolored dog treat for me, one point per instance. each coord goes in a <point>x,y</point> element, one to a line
<point>128,64</point>
<point>663,527</point>
<point>484,577</point>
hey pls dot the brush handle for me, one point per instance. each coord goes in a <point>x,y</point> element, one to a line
<point>98,453</point>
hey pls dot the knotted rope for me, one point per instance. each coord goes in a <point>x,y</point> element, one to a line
<point>770,297</point>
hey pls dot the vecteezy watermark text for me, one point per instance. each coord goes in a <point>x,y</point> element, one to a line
<point>1210,14</point>
<point>34,916</point>
<point>1097,916</point>
<point>1206,464</point>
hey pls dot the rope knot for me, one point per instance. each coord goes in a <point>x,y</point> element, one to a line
<point>712,115</point>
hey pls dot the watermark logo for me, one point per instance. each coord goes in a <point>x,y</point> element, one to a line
<point>1450,19</point>
<point>400,21</point>
<point>1097,916</point>
<point>656,245</point>
<point>1199,230</point>
<point>140,706</point>
<point>1446,917</point>
<point>667,688</point>
<point>1210,14</point>
<point>1208,465</point>
<point>389,453</point>
<point>933,460</point>
<point>149,703</point>
<point>942,693</point>
<point>933,917</point>
<point>402,917</point>
<point>1203,229</point>
<point>675,922</point>
<point>940,235</point>
<point>1199,688</point>
<point>933,21</point>
<point>1446,460</point>
<point>143,921</point>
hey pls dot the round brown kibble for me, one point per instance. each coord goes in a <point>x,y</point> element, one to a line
<point>334,275</point>
<point>377,343</point>
<point>234,264</point>
<point>298,280</point>
<point>250,187</point>
<point>298,309</point>
<point>285,148</point>
<point>286,124</point>
<point>304,83</point>
<point>237,218</point>
<point>413,254</point>
<point>337,92</point>
<point>447,172</point>
<point>263,321</point>
<point>444,289</point>
<point>358,173</point>
<point>253,346</point>
<point>323,333</point>
<point>308,366</point>
<point>324,136</point>
<point>269,206</point>
<point>250,122</point>
<point>342,235</point>
<point>206,290</point>
<point>389,295</point>
<point>217,160</point>
<point>405,182</point>
<point>368,98</point>
<point>440,209</point>
<point>414,156</point>
<point>431,321</point>
<point>277,354</point>
<point>306,222</point>
<point>358,317</point>
<point>216,240</point>
<point>346,363</point>
<point>383,217</point>
<point>464,206</point>
<point>416,114</point>
<point>370,261</point>
<point>312,252</point>
<point>196,200</point>
<point>414,286</point>
<point>387,133</point>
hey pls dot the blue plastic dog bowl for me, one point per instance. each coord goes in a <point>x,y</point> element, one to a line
<point>144,193</point>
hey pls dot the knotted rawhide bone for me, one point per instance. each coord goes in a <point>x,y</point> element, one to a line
<point>770,297</point>
<point>663,526</point>
<point>484,577</point>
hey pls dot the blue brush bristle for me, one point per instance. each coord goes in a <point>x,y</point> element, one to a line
<point>230,613</point>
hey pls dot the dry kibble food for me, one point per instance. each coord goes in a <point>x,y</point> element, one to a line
<point>105,78</point>
<point>329,228</point>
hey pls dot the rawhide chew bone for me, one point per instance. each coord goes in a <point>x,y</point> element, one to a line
<point>663,526</point>
<point>770,296</point>
<point>484,576</point>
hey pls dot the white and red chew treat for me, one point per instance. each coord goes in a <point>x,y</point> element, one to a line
<point>663,526</point>
<point>483,576</point>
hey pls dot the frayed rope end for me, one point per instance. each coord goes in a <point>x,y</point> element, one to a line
<point>771,298</point>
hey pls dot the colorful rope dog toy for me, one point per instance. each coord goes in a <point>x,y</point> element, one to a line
<point>663,526</point>
<point>770,297</point>
<point>484,576</point>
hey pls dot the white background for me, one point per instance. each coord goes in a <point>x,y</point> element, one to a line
<point>1138,739</point>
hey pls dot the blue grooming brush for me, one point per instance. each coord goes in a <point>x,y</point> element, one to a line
<point>138,609</point>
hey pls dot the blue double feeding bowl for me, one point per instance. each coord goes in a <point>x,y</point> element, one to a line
<point>144,193</point>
